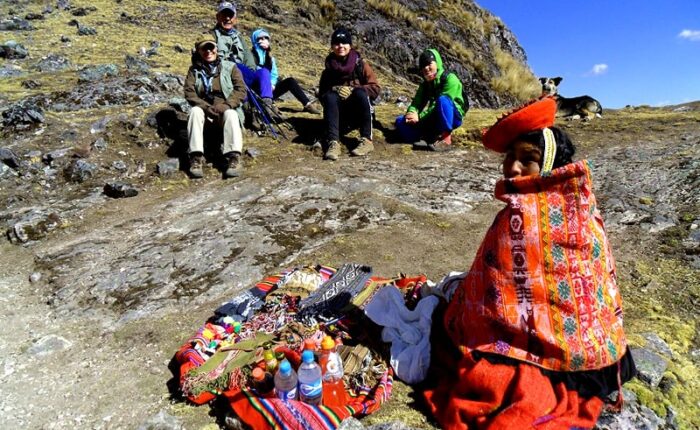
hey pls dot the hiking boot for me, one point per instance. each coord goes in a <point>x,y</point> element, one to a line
<point>270,105</point>
<point>333,151</point>
<point>365,147</point>
<point>197,166</point>
<point>234,166</point>
<point>444,143</point>
<point>310,108</point>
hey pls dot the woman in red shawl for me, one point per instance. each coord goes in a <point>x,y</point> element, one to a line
<point>537,322</point>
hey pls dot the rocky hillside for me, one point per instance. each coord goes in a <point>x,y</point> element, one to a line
<point>112,256</point>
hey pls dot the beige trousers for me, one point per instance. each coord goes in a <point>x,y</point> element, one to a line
<point>233,136</point>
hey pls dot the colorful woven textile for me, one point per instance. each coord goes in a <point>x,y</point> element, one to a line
<point>542,286</point>
<point>261,413</point>
<point>217,360</point>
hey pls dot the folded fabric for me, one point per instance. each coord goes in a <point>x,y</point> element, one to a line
<point>336,293</point>
<point>407,330</point>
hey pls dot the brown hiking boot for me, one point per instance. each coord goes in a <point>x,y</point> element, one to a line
<point>234,167</point>
<point>365,147</point>
<point>310,108</point>
<point>333,151</point>
<point>197,166</point>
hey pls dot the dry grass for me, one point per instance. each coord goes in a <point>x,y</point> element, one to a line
<point>515,79</point>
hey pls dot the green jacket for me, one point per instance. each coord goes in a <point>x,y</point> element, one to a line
<point>428,92</point>
<point>233,48</point>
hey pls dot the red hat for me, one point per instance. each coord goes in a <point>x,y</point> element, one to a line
<point>534,115</point>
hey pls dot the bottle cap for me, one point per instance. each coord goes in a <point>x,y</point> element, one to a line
<point>279,355</point>
<point>267,355</point>
<point>258,374</point>
<point>285,367</point>
<point>328,343</point>
<point>310,344</point>
<point>307,356</point>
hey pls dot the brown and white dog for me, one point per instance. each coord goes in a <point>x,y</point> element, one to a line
<point>585,107</point>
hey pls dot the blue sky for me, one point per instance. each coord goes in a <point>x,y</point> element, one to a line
<point>622,52</point>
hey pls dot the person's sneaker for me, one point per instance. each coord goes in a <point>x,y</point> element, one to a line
<point>234,166</point>
<point>444,143</point>
<point>197,166</point>
<point>270,105</point>
<point>310,108</point>
<point>420,145</point>
<point>365,147</point>
<point>333,151</point>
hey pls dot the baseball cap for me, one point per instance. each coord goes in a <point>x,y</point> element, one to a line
<point>204,39</point>
<point>226,5</point>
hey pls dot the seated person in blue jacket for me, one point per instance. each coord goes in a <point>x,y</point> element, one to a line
<point>262,53</point>
<point>437,108</point>
<point>232,48</point>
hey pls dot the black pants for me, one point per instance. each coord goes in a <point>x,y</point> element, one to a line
<point>291,85</point>
<point>355,112</point>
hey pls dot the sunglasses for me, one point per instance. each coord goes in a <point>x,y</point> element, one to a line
<point>263,38</point>
<point>208,47</point>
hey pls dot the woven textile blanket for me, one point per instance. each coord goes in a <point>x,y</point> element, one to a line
<point>542,287</point>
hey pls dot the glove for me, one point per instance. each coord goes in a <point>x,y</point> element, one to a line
<point>344,91</point>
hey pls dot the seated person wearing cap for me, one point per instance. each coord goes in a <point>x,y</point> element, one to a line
<point>437,108</point>
<point>215,89</point>
<point>346,88</point>
<point>232,48</point>
<point>533,335</point>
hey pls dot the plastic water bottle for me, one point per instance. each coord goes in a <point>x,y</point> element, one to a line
<point>286,381</point>
<point>263,382</point>
<point>332,370</point>
<point>310,385</point>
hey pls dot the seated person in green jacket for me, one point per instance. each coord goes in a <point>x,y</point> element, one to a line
<point>215,89</point>
<point>232,47</point>
<point>437,108</point>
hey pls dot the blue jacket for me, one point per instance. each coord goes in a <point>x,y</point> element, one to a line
<point>262,57</point>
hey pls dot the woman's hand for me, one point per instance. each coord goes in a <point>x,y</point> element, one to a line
<point>411,118</point>
<point>344,91</point>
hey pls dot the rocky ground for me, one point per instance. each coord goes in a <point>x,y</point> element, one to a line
<point>98,292</point>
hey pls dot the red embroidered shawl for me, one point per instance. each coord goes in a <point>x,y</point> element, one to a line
<point>542,287</point>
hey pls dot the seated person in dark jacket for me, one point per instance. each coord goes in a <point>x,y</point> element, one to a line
<point>347,85</point>
<point>215,90</point>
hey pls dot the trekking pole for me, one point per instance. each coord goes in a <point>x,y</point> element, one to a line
<point>263,113</point>
<point>271,115</point>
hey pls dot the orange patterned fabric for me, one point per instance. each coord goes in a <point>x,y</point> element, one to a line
<point>490,396</point>
<point>542,287</point>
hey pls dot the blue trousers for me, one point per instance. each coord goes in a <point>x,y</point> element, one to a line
<point>444,118</point>
<point>257,80</point>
